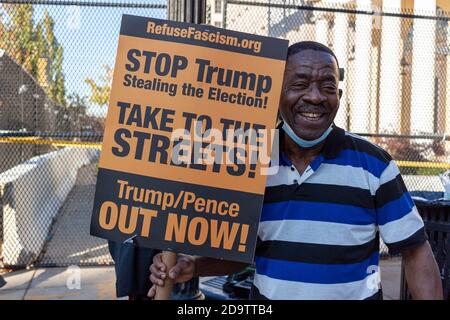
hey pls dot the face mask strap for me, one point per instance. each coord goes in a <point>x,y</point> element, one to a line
<point>301,142</point>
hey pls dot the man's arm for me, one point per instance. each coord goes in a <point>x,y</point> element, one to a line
<point>422,273</point>
<point>205,267</point>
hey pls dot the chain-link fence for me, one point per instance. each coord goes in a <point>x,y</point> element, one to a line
<point>397,70</point>
<point>396,63</point>
<point>56,60</point>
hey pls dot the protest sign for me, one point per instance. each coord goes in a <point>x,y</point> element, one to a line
<point>186,138</point>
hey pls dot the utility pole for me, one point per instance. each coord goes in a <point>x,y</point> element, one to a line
<point>193,11</point>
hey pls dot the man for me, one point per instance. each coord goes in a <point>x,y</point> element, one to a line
<point>333,196</point>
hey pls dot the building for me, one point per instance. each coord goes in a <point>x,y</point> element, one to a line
<point>216,12</point>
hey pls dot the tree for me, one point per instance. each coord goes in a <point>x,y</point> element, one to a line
<point>34,47</point>
<point>76,105</point>
<point>76,101</point>
<point>50,52</point>
<point>58,89</point>
<point>49,35</point>
<point>2,32</point>
<point>100,91</point>
<point>19,40</point>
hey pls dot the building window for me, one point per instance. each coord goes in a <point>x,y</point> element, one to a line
<point>218,24</point>
<point>218,6</point>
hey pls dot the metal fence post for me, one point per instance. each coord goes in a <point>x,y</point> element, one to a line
<point>193,11</point>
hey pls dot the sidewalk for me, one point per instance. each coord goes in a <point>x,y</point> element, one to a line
<point>391,278</point>
<point>97,283</point>
<point>70,242</point>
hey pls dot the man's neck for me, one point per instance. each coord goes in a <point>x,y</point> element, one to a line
<point>300,157</point>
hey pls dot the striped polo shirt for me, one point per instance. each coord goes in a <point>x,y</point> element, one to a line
<point>319,231</point>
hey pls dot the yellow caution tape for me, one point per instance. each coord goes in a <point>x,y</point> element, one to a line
<point>98,145</point>
<point>423,164</point>
<point>56,143</point>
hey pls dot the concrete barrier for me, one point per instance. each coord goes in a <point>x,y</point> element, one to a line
<point>31,195</point>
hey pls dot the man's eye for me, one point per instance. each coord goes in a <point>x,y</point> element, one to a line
<point>330,88</point>
<point>300,85</point>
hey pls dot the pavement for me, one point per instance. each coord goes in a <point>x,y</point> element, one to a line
<point>390,270</point>
<point>73,283</point>
<point>98,283</point>
<point>69,242</point>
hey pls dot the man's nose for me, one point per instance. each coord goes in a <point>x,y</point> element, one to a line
<point>314,95</point>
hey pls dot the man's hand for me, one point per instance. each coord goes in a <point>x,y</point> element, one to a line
<point>182,271</point>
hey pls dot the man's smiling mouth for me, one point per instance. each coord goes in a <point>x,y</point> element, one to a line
<point>311,115</point>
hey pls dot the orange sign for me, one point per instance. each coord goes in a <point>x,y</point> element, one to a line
<point>186,138</point>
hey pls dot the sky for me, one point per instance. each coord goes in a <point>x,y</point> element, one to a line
<point>89,37</point>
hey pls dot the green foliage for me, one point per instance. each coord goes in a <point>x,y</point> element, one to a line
<point>75,101</point>
<point>100,91</point>
<point>34,47</point>
<point>58,90</point>
<point>19,35</point>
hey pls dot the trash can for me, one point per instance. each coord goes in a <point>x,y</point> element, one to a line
<point>189,290</point>
<point>436,215</point>
<point>233,287</point>
<point>2,281</point>
<point>431,205</point>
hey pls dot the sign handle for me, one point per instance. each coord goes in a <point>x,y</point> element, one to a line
<point>163,293</point>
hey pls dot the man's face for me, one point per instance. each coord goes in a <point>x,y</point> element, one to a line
<point>310,94</point>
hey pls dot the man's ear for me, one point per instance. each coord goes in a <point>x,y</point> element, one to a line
<point>340,93</point>
<point>341,74</point>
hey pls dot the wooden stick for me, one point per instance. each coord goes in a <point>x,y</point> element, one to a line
<point>163,293</point>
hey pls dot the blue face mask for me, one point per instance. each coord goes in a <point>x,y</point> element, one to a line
<point>305,143</point>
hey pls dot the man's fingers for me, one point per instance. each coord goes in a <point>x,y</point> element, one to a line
<point>177,269</point>
<point>153,268</point>
<point>157,261</point>
<point>157,274</point>
<point>156,271</point>
<point>152,292</point>
<point>157,281</point>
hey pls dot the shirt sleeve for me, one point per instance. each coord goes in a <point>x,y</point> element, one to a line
<point>400,225</point>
